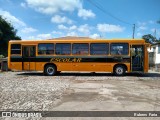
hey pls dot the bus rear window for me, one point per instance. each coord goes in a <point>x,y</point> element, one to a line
<point>15,49</point>
<point>119,49</point>
<point>80,48</point>
<point>99,48</point>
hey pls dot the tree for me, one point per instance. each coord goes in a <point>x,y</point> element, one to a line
<point>7,32</point>
<point>149,38</point>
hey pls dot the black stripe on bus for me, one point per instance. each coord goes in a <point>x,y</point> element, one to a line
<point>71,59</point>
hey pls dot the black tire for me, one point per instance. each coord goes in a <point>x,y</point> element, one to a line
<point>119,70</point>
<point>50,70</point>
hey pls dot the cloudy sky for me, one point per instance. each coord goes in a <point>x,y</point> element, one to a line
<point>46,19</point>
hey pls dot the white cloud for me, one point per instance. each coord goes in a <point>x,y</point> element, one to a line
<point>12,19</point>
<point>51,7</point>
<point>59,19</point>
<point>85,13</point>
<point>62,27</point>
<point>44,36</point>
<point>54,6</point>
<point>72,34</point>
<point>40,37</point>
<point>57,32</point>
<point>24,5</point>
<point>151,22</point>
<point>142,28</point>
<point>28,30</point>
<point>139,34</point>
<point>71,30</point>
<point>95,36</point>
<point>108,28</point>
<point>22,27</point>
<point>84,29</point>
<point>141,23</point>
<point>74,27</point>
<point>30,38</point>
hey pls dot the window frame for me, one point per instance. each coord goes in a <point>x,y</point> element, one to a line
<point>107,46</point>
<point>64,54</point>
<point>46,49</point>
<point>16,50</point>
<point>80,51</point>
<point>119,45</point>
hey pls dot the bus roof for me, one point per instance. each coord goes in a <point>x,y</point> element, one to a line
<point>79,40</point>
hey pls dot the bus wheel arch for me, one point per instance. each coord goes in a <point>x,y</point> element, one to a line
<point>119,69</point>
<point>50,69</point>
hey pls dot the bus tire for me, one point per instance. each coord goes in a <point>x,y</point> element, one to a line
<point>119,70</point>
<point>50,70</point>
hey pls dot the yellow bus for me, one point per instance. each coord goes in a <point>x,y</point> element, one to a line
<point>53,56</point>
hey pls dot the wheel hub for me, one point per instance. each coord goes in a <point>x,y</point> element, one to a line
<point>50,70</point>
<point>119,70</point>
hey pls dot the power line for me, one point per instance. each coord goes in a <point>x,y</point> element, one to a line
<point>98,6</point>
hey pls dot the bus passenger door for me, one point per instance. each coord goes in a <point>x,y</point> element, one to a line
<point>137,57</point>
<point>28,58</point>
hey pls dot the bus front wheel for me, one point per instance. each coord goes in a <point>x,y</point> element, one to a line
<point>119,70</point>
<point>50,70</point>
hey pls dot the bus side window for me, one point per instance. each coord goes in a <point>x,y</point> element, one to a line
<point>15,49</point>
<point>80,48</point>
<point>119,49</point>
<point>63,49</point>
<point>45,48</point>
<point>99,48</point>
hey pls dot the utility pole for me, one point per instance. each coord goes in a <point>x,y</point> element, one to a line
<point>133,30</point>
<point>155,33</point>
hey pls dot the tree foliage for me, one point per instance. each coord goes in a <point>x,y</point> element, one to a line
<point>7,32</point>
<point>149,38</point>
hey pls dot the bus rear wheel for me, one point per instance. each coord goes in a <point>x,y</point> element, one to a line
<point>119,70</point>
<point>50,70</point>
